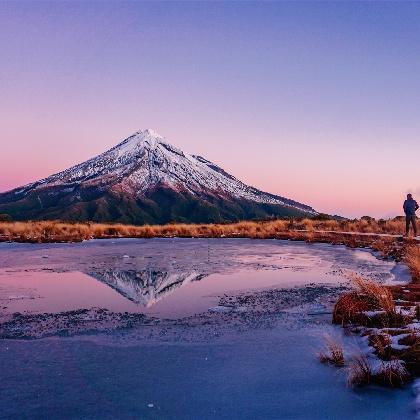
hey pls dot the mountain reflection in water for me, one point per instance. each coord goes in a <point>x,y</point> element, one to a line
<point>145,287</point>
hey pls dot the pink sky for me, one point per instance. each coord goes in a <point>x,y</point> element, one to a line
<point>319,104</point>
<point>346,186</point>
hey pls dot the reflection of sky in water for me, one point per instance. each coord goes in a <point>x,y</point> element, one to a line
<point>168,278</point>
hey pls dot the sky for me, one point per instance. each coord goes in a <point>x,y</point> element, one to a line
<point>318,102</point>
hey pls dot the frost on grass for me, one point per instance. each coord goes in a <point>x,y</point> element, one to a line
<point>333,353</point>
<point>359,371</point>
<point>390,331</point>
<point>364,370</point>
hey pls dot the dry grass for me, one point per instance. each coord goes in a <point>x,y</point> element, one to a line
<point>392,374</point>
<point>381,343</point>
<point>380,296</point>
<point>397,366</point>
<point>412,259</point>
<point>44,231</point>
<point>349,308</point>
<point>333,353</point>
<point>394,226</point>
<point>411,357</point>
<point>359,371</point>
<point>299,229</point>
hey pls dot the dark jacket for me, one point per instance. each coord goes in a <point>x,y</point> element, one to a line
<point>410,207</point>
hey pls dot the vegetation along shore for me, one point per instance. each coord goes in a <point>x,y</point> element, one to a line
<point>330,230</point>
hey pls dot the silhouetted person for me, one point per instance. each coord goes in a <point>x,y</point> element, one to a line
<point>410,206</point>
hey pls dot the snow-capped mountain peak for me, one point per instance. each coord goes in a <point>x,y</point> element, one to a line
<point>150,132</point>
<point>146,165</point>
<point>140,139</point>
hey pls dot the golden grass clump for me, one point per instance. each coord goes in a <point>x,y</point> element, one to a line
<point>349,309</point>
<point>379,295</point>
<point>353,308</point>
<point>333,353</point>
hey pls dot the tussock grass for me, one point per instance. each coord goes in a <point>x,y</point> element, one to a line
<point>412,259</point>
<point>392,374</point>
<point>380,296</point>
<point>349,308</point>
<point>352,307</point>
<point>397,366</point>
<point>333,353</point>
<point>359,371</point>
<point>381,344</point>
<point>411,357</point>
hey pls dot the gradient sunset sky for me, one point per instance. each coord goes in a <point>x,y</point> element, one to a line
<point>319,102</point>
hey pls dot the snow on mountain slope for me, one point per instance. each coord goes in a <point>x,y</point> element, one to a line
<point>145,287</point>
<point>146,160</point>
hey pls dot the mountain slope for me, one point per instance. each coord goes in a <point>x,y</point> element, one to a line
<point>144,179</point>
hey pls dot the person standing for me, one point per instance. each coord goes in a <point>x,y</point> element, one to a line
<point>410,206</point>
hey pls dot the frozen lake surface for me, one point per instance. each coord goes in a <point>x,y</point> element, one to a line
<point>180,328</point>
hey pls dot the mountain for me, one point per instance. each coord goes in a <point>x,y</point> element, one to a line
<point>145,287</point>
<point>144,179</point>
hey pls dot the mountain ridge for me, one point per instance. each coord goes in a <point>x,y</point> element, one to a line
<point>138,181</point>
